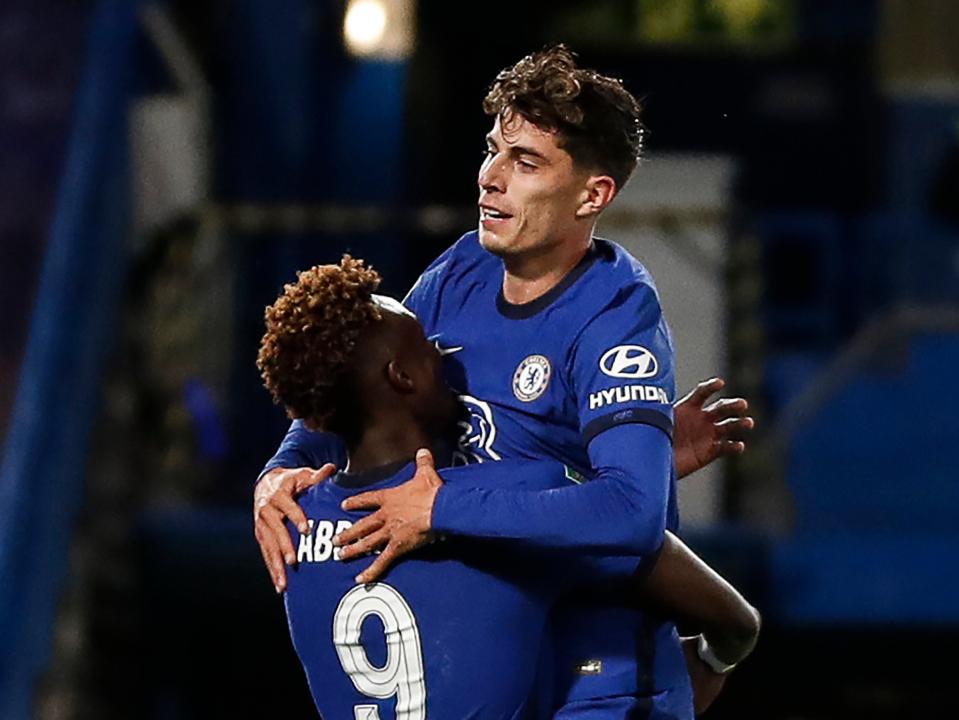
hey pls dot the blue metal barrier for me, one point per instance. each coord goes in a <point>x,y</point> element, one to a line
<point>45,455</point>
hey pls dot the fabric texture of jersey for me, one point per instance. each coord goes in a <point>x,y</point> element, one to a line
<point>453,631</point>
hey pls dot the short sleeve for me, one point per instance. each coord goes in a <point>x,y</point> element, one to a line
<point>622,365</point>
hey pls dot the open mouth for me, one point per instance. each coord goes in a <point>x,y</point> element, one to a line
<point>490,214</point>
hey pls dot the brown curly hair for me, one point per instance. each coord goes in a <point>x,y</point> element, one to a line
<point>596,118</point>
<point>311,332</point>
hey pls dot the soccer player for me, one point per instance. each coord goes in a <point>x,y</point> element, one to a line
<point>556,341</point>
<point>457,631</point>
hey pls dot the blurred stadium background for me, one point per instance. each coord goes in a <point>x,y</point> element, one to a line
<point>167,165</point>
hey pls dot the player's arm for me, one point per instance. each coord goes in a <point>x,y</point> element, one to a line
<point>725,626</point>
<point>621,510</point>
<point>594,516</point>
<point>612,513</point>
<point>682,587</point>
<point>304,458</point>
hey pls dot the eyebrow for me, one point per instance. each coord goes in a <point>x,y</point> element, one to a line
<point>518,149</point>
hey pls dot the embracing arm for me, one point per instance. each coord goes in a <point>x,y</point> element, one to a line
<point>621,510</point>
<point>685,589</point>
<point>682,587</point>
<point>303,459</point>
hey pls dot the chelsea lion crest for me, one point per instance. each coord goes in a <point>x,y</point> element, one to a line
<point>531,378</point>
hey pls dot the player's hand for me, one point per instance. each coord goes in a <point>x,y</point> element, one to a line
<point>273,502</point>
<point>400,525</point>
<point>706,684</point>
<point>704,433</point>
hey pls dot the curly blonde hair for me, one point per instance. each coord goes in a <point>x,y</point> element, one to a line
<point>311,332</point>
<point>596,118</point>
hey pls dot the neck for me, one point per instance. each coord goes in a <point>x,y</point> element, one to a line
<point>532,275</point>
<point>383,443</point>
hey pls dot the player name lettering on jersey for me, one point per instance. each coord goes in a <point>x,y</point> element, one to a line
<point>317,546</point>
<point>627,393</point>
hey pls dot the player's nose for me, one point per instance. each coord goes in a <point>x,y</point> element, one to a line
<point>492,176</point>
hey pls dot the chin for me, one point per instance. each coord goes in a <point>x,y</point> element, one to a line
<point>493,243</point>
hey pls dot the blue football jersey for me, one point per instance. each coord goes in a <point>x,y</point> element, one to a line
<point>545,379</point>
<point>455,630</point>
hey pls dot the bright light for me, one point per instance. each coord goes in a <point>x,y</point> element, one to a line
<point>364,26</point>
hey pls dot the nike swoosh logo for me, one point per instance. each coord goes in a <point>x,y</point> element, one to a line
<point>443,351</point>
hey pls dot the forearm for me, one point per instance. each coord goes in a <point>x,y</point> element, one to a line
<point>598,516</point>
<point>618,512</point>
<point>684,588</point>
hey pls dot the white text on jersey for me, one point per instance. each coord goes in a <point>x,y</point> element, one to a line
<point>627,393</point>
<point>317,546</point>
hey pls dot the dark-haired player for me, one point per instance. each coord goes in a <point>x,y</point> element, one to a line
<point>557,343</point>
<point>457,630</point>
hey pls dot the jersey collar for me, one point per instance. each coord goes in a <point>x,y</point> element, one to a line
<point>522,311</point>
<point>370,477</point>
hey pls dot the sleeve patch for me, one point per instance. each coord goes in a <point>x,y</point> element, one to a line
<point>629,361</point>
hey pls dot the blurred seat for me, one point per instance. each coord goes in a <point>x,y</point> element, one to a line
<point>876,493</point>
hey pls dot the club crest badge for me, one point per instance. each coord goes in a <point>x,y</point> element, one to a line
<point>531,378</point>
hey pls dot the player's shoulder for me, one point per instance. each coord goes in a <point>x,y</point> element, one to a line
<point>465,259</point>
<point>617,306</point>
<point>331,493</point>
<point>616,283</point>
<point>320,498</point>
<point>620,269</point>
<point>462,255</point>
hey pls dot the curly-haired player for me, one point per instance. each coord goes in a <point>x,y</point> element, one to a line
<point>556,342</point>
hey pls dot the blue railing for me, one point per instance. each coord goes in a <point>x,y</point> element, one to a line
<point>46,452</point>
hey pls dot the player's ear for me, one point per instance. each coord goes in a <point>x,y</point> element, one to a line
<point>398,378</point>
<point>598,192</point>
